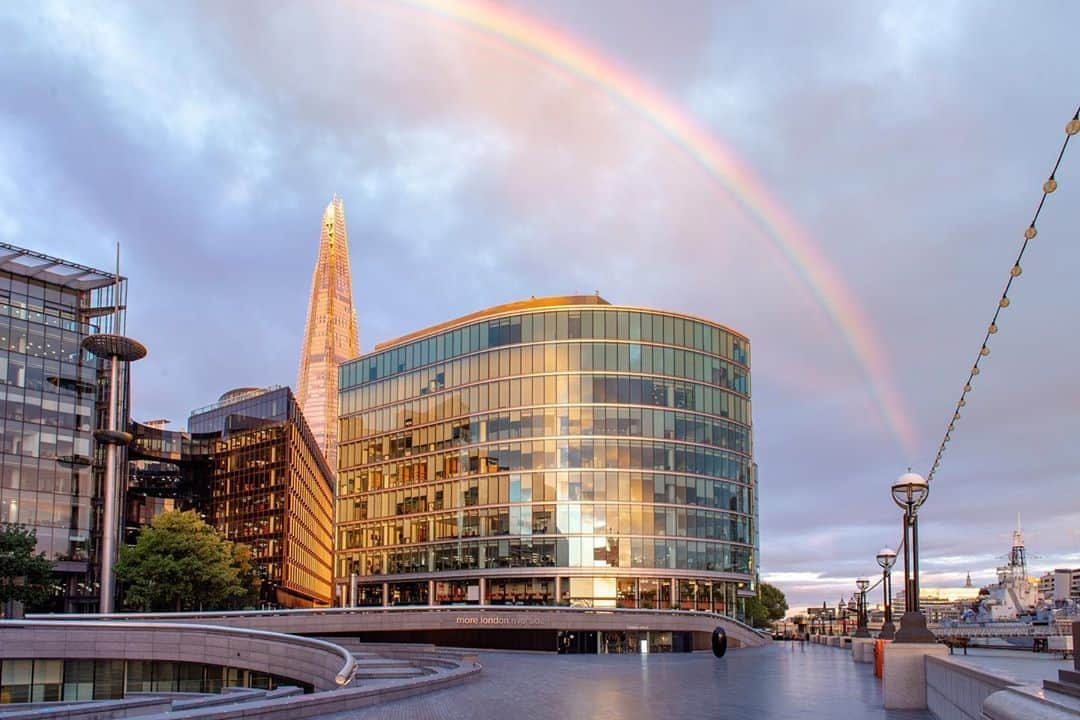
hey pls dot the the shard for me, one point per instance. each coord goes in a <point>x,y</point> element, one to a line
<point>330,335</point>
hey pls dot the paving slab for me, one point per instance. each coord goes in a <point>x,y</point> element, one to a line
<point>784,680</point>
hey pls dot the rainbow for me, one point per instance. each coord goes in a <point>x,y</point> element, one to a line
<point>558,48</point>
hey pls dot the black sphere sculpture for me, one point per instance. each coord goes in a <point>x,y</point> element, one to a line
<point>719,642</point>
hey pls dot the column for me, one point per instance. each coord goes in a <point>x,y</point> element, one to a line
<point>558,590</point>
<point>385,594</point>
<point>483,592</point>
<point>430,592</point>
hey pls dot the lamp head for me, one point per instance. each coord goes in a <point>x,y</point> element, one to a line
<point>862,584</point>
<point>910,491</point>
<point>886,557</point>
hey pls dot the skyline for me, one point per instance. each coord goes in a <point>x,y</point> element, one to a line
<point>487,194</point>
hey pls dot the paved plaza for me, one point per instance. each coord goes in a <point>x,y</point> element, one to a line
<point>1023,665</point>
<point>783,680</point>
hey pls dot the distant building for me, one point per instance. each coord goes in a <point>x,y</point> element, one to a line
<point>250,465</point>
<point>1060,585</point>
<point>330,336</point>
<point>942,603</point>
<point>54,397</point>
<point>554,451</point>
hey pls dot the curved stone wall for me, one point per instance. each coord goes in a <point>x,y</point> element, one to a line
<point>321,664</point>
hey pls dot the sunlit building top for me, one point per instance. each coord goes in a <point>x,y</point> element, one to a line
<point>330,336</point>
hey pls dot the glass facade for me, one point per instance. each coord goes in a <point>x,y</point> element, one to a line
<point>555,451</point>
<point>251,466</point>
<point>53,395</point>
<point>35,681</point>
<point>330,336</point>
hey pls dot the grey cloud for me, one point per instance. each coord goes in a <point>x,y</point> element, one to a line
<point>909,144</point>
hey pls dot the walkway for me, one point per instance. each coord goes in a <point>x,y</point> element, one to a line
<point>779,681</point>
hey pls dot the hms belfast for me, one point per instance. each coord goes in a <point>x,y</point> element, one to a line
<point>1011,613</point>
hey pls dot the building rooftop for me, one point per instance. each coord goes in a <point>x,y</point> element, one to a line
<point>235,396</point>
<point>55,271</point>
<point>530,304</point>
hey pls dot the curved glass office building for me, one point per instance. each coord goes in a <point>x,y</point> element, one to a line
<point>556,451</point>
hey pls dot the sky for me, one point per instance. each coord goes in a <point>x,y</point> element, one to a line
<point>899,145</point>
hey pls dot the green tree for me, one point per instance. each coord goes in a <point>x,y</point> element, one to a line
<point>24,576</point>
<point>248,574</point>
<point>769,605</point>
<point>180,562</point>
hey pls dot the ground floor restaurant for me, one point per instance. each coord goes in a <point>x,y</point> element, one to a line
<point>719,596</point>
<point>563,642</point>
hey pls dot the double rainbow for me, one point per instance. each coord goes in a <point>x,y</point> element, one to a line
<point>722,165</point>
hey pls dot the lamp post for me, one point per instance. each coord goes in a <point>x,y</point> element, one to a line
<point>909,492</point>
<point>885,558</point>
<point>852,609</point>
<point>861,631</point>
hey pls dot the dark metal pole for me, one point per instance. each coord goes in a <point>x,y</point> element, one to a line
<point>915,561</point>
<point>907,566</point>
<point>885,590</point>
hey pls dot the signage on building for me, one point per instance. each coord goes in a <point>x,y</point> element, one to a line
<point>502,620</point>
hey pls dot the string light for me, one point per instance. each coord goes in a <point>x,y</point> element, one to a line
<point>1051,184</point>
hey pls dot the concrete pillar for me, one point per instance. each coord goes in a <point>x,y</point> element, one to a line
<point>904,674</point>
<point>430,592</point>
<point>352,589</point>
<point>674,594</point>
<point>386,594</point>
<point>558,590</point>
<point>483,592</point>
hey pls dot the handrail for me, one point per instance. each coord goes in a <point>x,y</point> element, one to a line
<point>343,677</point>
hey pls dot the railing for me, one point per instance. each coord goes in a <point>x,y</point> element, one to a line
<point>1003,630</point>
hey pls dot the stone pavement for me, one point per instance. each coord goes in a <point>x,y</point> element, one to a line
<point>783,680</point>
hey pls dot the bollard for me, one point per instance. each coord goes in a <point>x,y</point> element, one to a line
<point>719,642</point>
<point>879,657</point>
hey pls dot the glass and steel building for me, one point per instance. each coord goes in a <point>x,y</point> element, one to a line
<point>250,465</point>
<point>557,451</point>
<point>54,395</point>
<point>330,336</point>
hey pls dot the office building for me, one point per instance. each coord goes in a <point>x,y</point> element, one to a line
<point>55,398</point>
<point>1060,585</point>
<point>556,451</point>
<point>250,465</point>
<point>330,334</point>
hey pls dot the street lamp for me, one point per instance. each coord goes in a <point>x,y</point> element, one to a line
<point>861,631</point>
<point>909,492</point>
<point>885,558</point>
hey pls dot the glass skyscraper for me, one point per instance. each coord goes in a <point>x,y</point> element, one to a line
<point>551,451</point>
<point>330,336</point>
<point>53,397</point>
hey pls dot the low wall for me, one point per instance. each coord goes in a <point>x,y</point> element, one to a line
<point>321,664</point>
<point>955,691</point>
<point>406,619</point>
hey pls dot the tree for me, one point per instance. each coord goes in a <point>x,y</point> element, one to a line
<point>249,575</point>
<point>24,576</point>
<point>769,605</point>
<point>180,562</point>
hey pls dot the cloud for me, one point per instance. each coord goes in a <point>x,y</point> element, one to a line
<point>908,141</point>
